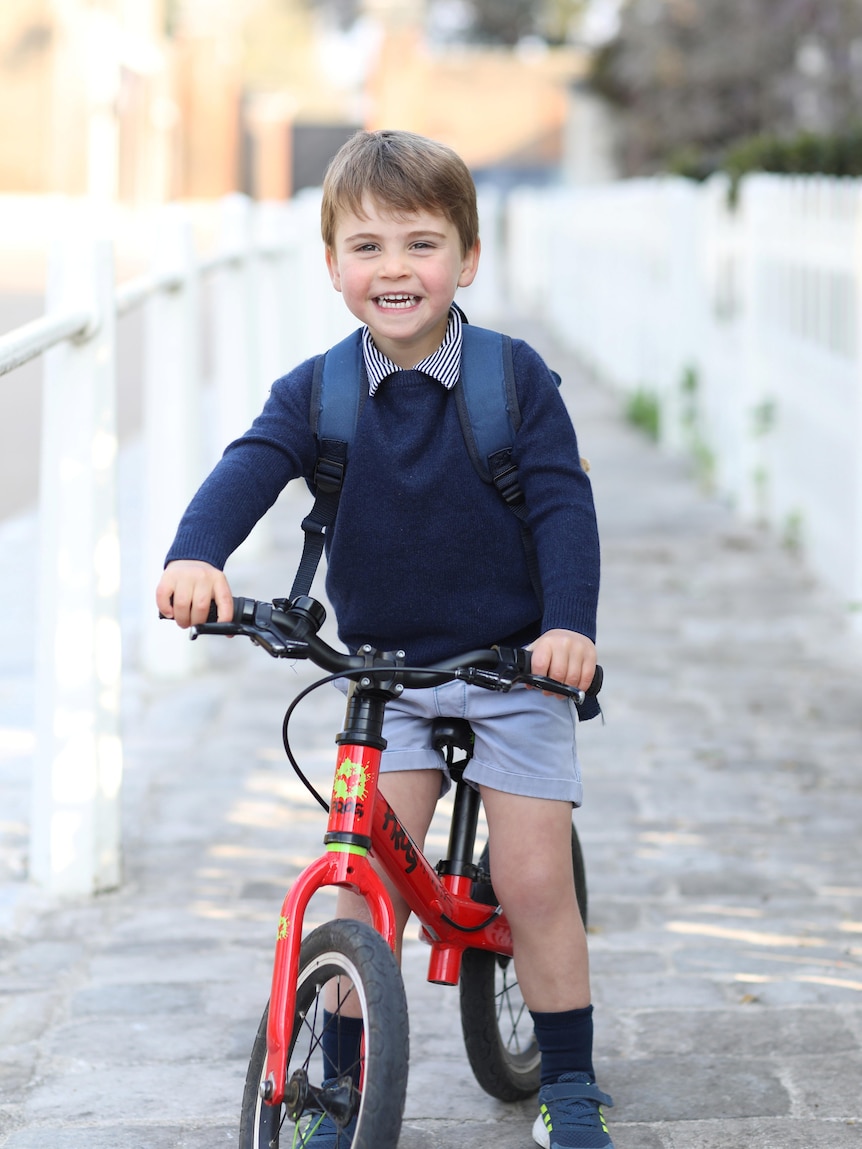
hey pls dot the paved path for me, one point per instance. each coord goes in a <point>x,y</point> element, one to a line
<point>721,831</point>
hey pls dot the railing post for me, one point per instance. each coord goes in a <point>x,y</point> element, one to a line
<point>75,824</point>
<point>482,300</point>
<point>174,420</point>
<point>277,290</point>
<point>239,390</point>
<point>322,319</point>
<point>235,372</point>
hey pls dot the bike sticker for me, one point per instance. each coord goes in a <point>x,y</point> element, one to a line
<point>350,787</point>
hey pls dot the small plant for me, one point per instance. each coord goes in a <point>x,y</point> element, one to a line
<point>643,411</point>
<point>688,386</point>
<point>701,453</point>
<point>704,461</point>
<point>760,492</point>
<point>793,532</point>
<point>764,417</point>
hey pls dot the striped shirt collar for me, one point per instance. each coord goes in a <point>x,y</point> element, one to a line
<point>444,364</point>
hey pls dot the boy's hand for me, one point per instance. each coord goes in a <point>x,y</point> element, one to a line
<point>566,656</point>
<point>186,590</point>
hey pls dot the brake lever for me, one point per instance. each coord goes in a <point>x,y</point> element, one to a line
<point>508,675</point>
<point>268,640</point>
<point>228,628</point>
<point>540,682</point>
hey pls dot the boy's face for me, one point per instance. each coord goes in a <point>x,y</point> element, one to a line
<point>398,274</point>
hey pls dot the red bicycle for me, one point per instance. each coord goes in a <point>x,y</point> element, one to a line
<point>291,1086</point>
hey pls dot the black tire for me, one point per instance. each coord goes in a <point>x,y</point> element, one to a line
<point>353,950</point>
<point>498,1030</point>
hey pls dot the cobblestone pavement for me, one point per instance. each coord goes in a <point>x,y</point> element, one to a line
<point>720,828</point>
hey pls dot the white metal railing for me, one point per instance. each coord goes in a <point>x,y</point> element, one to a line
<point>744,324</point>
<point>75,836</point>
<point>270,305</point>
<point>33,339</point>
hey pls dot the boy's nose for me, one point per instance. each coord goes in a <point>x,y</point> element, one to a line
<point>393,266</point>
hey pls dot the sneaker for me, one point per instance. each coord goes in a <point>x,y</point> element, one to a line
<point>570,1115</point>
<point>323,1133</point>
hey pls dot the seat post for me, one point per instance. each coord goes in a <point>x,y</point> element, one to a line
<point>462,835</point>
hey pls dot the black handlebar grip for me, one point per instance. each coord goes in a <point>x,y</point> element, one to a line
<point>596,685</point>
<point>523,658</point>
<point>212,616</point>
<point>239,607</point>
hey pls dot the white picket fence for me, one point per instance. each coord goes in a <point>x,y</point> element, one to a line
<point>742,324</point>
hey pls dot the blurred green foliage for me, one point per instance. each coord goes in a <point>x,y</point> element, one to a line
<point>805,153</point>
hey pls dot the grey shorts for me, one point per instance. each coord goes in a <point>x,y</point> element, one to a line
<point>525,741</point>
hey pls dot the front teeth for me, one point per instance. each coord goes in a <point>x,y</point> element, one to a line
<point>396,301</point>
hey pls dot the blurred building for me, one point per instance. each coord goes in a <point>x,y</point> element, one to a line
<point>147,100</point>
<point>106,97</point>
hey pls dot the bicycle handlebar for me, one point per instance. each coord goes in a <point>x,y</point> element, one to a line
<point>289,630</point>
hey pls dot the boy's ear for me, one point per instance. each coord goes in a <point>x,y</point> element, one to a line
<point>332,268</point>
<point>470,265</point>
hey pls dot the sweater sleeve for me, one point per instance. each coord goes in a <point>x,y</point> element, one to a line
<point>559,499</point>
<point>251,474</point>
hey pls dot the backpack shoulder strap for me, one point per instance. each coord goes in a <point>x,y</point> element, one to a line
<point>336,391</point>
<point>336,400</point>
<point>490,416</point>
<point>486,398</point>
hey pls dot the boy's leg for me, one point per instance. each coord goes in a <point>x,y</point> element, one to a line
<point>531,868</point>
<point>530,842</point>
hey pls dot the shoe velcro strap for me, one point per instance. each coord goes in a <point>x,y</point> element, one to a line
<point>575,1091</point>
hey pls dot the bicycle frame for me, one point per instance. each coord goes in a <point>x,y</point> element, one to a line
<point>362,821</point>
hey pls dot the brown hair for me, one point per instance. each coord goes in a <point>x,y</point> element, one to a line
<point>403,172</point>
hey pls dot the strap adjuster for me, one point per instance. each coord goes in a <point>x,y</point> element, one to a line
<point>313,526</point>
<point>328,476</point>
<point>506,482</point>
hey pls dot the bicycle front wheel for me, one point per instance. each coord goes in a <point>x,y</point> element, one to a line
<point>362,1108</point>
<point>498,1029</point>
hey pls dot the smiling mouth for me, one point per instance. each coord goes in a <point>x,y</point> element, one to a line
<point>396,302</point>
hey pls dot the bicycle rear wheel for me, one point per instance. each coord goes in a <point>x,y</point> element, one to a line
<point>371,1117</point>
<point>497,1026</point>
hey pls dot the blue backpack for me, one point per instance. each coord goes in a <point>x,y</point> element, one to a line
<point>487,408</point>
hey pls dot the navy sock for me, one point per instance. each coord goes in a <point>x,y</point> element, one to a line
<point>566,1043</point>
<point>341,1044</point>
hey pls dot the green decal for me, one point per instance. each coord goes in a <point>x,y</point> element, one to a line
<point>351,781</point>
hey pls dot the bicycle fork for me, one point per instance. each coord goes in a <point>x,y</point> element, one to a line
<point>345,864</point>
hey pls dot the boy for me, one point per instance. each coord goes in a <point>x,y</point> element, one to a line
<point>400,229</point>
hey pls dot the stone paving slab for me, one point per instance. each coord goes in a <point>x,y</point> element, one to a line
<point>720,829</point>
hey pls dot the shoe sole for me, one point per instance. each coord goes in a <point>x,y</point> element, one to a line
<point>540,1134</point>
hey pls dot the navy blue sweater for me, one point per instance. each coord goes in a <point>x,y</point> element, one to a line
<point>424,556</point>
